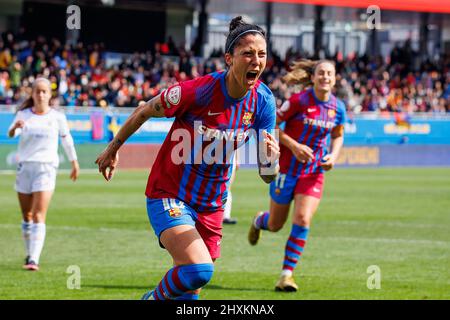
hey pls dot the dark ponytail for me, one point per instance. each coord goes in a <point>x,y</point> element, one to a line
<point>238,27</point>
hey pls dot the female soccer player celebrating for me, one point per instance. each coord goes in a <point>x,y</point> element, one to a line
<point>185,199</point>
<point>39,127</point>
<point>311,117</point>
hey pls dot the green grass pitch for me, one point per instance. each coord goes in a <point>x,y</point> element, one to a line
<point>396,219</point>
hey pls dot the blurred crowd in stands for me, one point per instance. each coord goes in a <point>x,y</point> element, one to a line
<point>84,76</point>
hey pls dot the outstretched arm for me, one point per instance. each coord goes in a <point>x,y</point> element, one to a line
<point>108,159</point>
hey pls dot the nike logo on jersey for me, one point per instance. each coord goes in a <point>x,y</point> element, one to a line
<point>213,113</point>
<point>311,110</point>
<point>316,189</point>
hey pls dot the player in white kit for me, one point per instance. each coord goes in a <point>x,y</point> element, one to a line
<point>39,126</point>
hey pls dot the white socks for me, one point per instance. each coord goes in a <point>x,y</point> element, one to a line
<point>26,234</point>
<point>286,273</point>
<point>37,241</point>
<point>227,210</point>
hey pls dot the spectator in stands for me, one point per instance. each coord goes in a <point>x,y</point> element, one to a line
<point>365,83</point>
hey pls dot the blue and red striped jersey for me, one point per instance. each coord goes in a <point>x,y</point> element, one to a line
<point>209,119</point>
<point>308,121</point>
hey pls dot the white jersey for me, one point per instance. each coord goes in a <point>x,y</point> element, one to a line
<point>38,140</point>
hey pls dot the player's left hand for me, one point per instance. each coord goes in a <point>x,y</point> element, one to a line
<point>327,162</point>
<point>75,170</point>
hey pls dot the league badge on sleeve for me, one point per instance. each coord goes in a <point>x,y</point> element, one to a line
<point>174,95</point>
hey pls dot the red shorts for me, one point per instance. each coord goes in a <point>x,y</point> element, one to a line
<point>310,185</point>
<point>209,226</point>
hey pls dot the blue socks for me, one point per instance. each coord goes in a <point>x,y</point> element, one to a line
<point>180,280</point>
<point>294,248</point>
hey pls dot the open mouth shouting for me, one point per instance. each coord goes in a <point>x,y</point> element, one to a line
<point>251,77</point>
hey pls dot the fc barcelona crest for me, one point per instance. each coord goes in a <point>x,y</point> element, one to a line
<point>175,212</point>
<point>247,118</point>
<point>331,113</point>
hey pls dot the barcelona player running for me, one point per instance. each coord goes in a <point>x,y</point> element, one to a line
<point>311,117</point>
<point>187,187</point>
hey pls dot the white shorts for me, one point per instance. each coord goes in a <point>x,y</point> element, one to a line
<point>34,177</point>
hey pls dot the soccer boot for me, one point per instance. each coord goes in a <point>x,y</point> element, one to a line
<point>286,284</point>
<point>254,233</point>
<point>229,220</point>
<point>27,261</point>
<point>31,266</point>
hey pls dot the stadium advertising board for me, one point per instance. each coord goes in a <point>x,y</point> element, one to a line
<point>368,142</point>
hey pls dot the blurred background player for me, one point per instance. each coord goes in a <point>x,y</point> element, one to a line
<point>227,219</point>
<point>39,127</point>
<point>311,117</point>
<point>185,199</point>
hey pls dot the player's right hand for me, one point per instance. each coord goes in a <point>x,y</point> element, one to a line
<point>19,124</point>
<point>107,163</point>
<point>302,152</point>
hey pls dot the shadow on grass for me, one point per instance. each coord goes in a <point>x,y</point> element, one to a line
<point>216,287</point>
<point>117,286</point>
<point>208,287</point>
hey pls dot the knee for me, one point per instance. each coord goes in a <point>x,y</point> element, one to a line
<point>276,226</point>
<point>197,275</point>
<point>38,217</point>
<point>304,221</point>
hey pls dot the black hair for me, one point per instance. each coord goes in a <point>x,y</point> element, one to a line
<point>239,27</point>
